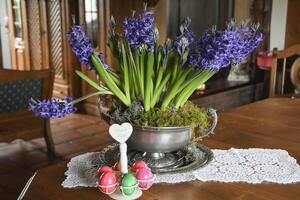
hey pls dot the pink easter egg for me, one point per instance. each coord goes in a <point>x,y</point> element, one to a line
<point>138,164</point>
<point>107,182</point>
<point>144,177</point>
<point>103,169</point>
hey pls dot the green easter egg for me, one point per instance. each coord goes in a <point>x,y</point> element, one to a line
<point>128,180</point>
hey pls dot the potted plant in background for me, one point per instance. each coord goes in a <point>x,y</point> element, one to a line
<point>152,82</point>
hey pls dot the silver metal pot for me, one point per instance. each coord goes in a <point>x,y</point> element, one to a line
<point>158,140</point>
<point>159,146</point>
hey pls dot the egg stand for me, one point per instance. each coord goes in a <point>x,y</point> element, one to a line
<point>121,133</point>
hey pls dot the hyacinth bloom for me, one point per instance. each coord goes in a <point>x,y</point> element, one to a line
<point>216,49</point>
<point>155,75</point>
<point>52,108</point>
<point>140,31</point>
<point>185,41</point>
<point>82,47</point>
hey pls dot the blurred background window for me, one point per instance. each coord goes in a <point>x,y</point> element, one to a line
<point>92,21</point>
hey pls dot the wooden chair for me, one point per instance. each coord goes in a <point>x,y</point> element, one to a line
<point>16,121</point>
<point>284,55</point>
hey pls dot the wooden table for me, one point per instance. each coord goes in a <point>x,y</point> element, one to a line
<point>271,123</point>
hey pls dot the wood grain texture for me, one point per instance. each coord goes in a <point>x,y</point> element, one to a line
<point>34,28</point>
<point>59,49</point>
<point>55,35</point>
<point>271,123</point>
<point>292,24</point>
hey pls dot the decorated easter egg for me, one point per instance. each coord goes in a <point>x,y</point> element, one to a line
<point>144,177</point>
<point>103,169</point>
<point>138,164</point>
<point>107,182</point>
<point>128,184</point>
<point>117,166</point>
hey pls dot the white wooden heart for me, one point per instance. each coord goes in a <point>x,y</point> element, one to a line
<point>120,133</point>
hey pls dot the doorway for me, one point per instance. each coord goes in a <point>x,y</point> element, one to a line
<point>4,37</point>
<point>18,37</point>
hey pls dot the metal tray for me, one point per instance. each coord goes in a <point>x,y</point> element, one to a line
<point>190,158</point>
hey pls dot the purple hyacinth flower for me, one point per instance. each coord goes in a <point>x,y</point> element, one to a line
<point>140,31</point>
<point>217,49</point>
<point>186,39</point>
<point>80,45</point>
<point>52,108</point>
<point>181,45</point>
<point>184,42</point>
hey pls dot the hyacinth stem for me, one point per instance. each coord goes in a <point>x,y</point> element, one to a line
<point>125,73</point>
<point>151,91</point>
<point>159,77</point>
<point>194,83</point>
<point>188,81</point>
<point>139,79</point>
<point>193,89</point>
<point>148,81</point>
<point>115,77</point>
<point>142,64</point>
<point>175,70</point>
<point>112,43</point>
<point>186,92</point>
<point>158,91</point>
<point>108,80</point>
<point>133,72</point>
<point>174,89</point>
<point>89,81</point>
<point>158,61</point>
<point>90,95</point>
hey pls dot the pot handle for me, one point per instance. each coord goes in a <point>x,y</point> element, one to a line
<point>210,130</point>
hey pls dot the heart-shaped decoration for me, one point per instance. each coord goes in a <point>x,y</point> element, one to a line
<point>120,133</point>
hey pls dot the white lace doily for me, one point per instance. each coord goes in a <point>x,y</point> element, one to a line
<point>233,165</point>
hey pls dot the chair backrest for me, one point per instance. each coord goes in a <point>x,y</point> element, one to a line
<point>17,87</point>
<point>278,56</point>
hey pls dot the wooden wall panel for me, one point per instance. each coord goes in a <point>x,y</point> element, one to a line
<point>34,33</point>
<point>55,36</point>
<point>56,52</point>
<point>26,53</point>
<point>62,59</point>
<point>292,34</point>
<point>261,11</point>
<point>44,34</point>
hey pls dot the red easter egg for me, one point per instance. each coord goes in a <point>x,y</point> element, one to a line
<point>103,169</point>
<point>107,182</point>
<point>117,166</point>
<point>144,177</point>
<point>138,164</point>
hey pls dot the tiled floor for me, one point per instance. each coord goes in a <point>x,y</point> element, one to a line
<point>72,136</point>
